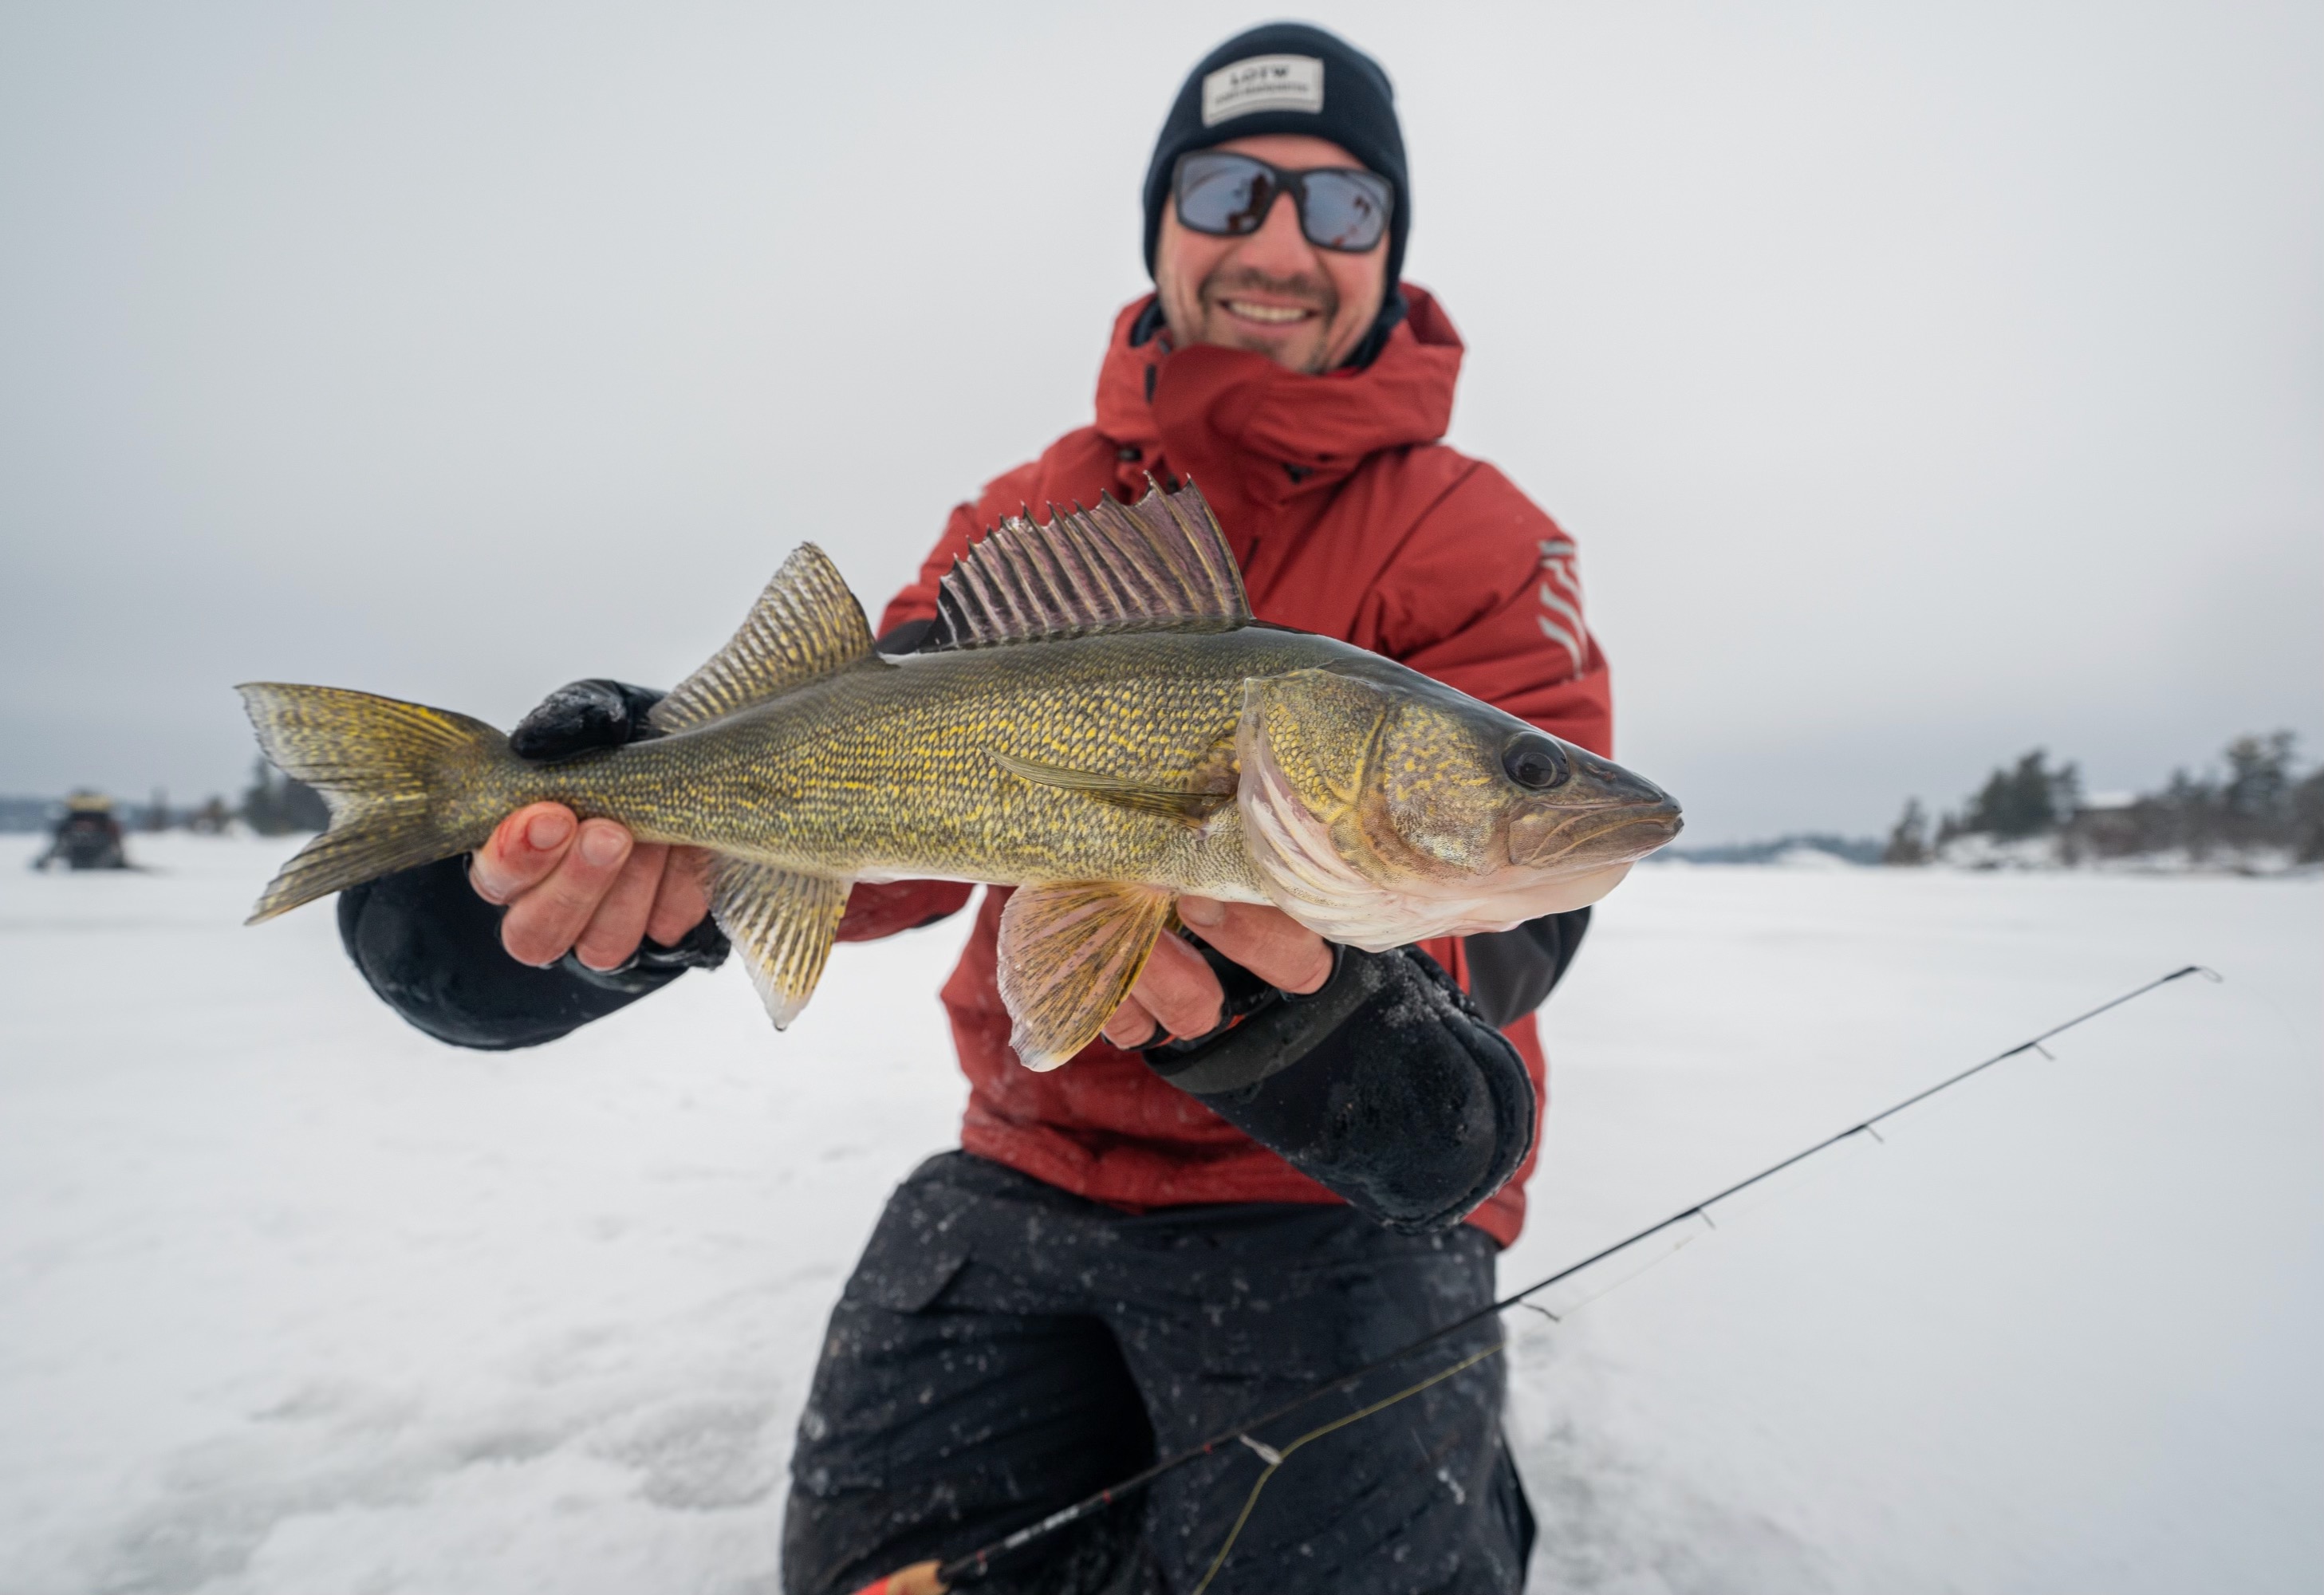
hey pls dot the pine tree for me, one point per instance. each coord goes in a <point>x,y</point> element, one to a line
<point>2256,801</point>
<point>276,804</point>
<point>2305,832</point>
<point>1908,844</point>
<point>2031,800</point>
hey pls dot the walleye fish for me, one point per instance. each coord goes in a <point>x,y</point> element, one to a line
<point>1101,722</point>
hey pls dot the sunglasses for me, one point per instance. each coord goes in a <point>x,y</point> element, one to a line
<point>1228,196</point>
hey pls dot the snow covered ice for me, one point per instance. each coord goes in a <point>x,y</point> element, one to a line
<point>294,1300</point>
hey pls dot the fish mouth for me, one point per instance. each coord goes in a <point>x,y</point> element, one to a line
<point>1628,819</point>
<point>1589,840</point>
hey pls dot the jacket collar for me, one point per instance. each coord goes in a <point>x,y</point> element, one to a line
<point>1254,434</point>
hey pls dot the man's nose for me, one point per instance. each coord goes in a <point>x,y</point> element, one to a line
<point>1279,248</point>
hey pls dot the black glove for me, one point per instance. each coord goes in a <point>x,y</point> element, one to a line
<point>1385,1085</point>
<point>1511,973</point>
<point>908,637</point>
<point>431,948</point>
<point>582,716</point>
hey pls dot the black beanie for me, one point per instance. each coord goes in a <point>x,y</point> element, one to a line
<point>1286,78</point>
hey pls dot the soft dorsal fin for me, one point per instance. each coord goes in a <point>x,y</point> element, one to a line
<point>1118,568</point>
<point>805,624</point>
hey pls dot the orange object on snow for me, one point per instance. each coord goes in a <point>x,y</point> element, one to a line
<point>919,1579</point>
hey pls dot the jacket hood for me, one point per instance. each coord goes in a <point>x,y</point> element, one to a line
<point>1247,429</point>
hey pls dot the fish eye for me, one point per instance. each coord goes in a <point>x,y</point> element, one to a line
<point>1536,762</point>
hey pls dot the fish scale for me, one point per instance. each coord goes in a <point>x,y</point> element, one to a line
<point>888,769</point>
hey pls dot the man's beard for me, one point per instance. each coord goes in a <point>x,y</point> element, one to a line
<point>1314,292</point>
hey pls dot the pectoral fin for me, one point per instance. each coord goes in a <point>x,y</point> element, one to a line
<point>1179,801</point>
<point>782,925</point>
<point>1069,955</point>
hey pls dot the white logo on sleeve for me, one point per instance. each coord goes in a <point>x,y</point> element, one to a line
<point>1561,601</point>
<point>1263,83</point>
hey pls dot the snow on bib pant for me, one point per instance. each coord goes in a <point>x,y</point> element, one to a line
<point>1005,1348</point>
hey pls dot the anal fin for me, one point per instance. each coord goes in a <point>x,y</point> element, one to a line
<point>1068,955</point>
<point>782,924</point>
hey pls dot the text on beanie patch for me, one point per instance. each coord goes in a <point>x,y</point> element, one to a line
<point>1263,83</point>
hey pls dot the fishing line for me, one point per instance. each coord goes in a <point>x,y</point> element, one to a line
<point>974,1566</point>
<point>1275,1459</point>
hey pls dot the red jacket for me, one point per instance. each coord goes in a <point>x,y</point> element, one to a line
<point>1352,521</point>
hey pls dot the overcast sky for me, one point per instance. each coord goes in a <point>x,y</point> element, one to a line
<point>1920,382</point>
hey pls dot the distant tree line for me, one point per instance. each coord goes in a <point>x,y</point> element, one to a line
<point>274,804</point>
<point>2257,801</point>
<point>1855,850</point>
<point>277,804</point>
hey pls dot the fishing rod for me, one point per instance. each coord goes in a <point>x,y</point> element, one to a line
<point>934,1577</point>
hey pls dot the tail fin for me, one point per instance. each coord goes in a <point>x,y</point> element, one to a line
<point>395,775</point>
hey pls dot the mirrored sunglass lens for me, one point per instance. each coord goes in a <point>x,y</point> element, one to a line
<point>1223,195</point>
<point>1344,210</point>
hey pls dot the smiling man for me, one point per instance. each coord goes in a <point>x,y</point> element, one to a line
<point>1299,283</point>
<point>1285,1159</point>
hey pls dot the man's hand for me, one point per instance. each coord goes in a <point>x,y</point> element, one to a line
<point>586,886</point>
<point>1177,995</point>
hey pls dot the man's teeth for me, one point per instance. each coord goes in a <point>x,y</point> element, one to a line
<point>1250,311</point>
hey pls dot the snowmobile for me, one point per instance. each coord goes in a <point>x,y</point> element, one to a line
<point>87,837</point>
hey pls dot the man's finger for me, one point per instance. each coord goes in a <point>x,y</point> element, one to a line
<point>614,930</point>
<point>546,921</point>
<point>521,852</point>
<point>1179,989</point>
<point>684,898</point>
<point>1132,1027</point>
<point>1263,939</point>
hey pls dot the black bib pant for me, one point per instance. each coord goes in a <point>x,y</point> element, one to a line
<point>1005,1348</point>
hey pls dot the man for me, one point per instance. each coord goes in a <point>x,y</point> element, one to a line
<point>1285,1159</point>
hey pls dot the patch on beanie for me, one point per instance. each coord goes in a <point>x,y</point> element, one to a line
<point>1263,83</point>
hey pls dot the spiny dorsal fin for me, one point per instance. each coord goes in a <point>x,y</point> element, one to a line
<point>1158,562</point>
<point>782,924</point>
<point>805,624</point>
